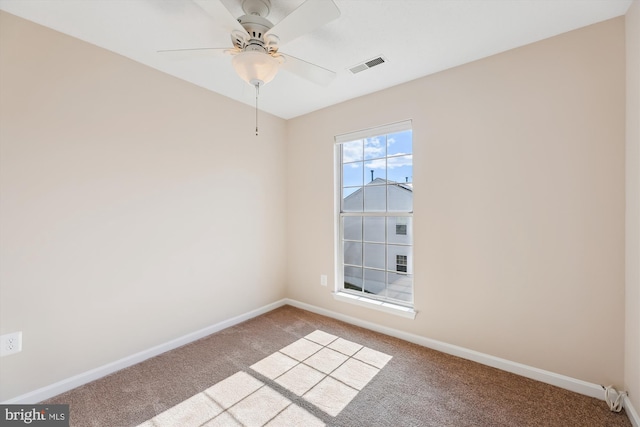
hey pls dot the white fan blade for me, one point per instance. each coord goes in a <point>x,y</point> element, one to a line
<point>310,15</point>
<point>307,70</point>
<point>184,54</point>
<point>216,9</point>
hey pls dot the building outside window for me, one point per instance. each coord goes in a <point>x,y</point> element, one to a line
<point>375,249</point>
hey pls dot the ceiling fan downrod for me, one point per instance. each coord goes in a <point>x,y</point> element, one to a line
<point>257,86</point>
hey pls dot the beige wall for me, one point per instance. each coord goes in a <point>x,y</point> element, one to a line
<point>519,204</point>
<point>118,183</point>
<point>136,207</point>
<point>632,296</point>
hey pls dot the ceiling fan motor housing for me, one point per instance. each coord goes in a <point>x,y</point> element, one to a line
<point>256,26</point>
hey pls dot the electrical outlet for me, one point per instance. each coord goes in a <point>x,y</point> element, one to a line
<point>10,343</point>
<point>323,279</point>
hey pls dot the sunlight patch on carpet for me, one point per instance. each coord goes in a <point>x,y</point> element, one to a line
<point>325,370</point>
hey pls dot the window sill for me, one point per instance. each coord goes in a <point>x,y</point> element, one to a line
<point>386,307</point>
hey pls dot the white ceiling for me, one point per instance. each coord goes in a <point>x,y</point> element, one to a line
<point>417,37</point>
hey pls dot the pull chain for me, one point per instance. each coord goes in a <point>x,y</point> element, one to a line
<point>257,92</point>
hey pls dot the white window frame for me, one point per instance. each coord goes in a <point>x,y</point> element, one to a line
<point>404,309</point>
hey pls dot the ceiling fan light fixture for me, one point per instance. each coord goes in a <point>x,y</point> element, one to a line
<point>255,68</point>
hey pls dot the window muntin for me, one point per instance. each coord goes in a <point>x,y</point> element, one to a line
<point>376,209</point>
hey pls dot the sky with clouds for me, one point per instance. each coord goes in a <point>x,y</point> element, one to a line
<point>388,156</point>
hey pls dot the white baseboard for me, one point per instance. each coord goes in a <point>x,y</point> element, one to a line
<point>568,383</point>
<point>558,380</point>
<point>572,384</point>
<point>55,389</point>
<point>631,412</point>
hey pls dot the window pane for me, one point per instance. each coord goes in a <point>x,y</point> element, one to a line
<point>374,229</point>
<point>375,148</point>
<point>400,169</point>
<point>353,278</point>
<point>352,199</point>
<point>352,175</point>
<point>374,282</point>
<point>399,143</point>
<point>400,230</point>
<point>375,171</point>
<point>374,255</point>
<point>353,253</point>
<point>375,198</point>
<point>352,151</point>
<point>400,287</point>
<point>400,198</point>
<point>353,228</point>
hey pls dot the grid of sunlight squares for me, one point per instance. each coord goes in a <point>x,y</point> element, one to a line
<point>325,370</point>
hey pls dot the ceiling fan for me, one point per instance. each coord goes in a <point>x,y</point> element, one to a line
<point>256,41</point>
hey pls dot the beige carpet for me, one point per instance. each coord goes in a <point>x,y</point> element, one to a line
<point>290,367</point>
<point>325,370</point>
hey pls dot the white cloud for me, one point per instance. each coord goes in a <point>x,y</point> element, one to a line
<point>374,147</point>
<point>396,162</point>
<point>376,164</point>
<point>352,151</point>
<point>392,162</point>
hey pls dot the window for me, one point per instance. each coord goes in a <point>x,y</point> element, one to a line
<point>401,226</point>
<point>375,246</point>
<point>401,263</point>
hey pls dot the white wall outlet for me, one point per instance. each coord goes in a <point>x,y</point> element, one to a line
<point>10,343</point>
<point>323,279</point>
